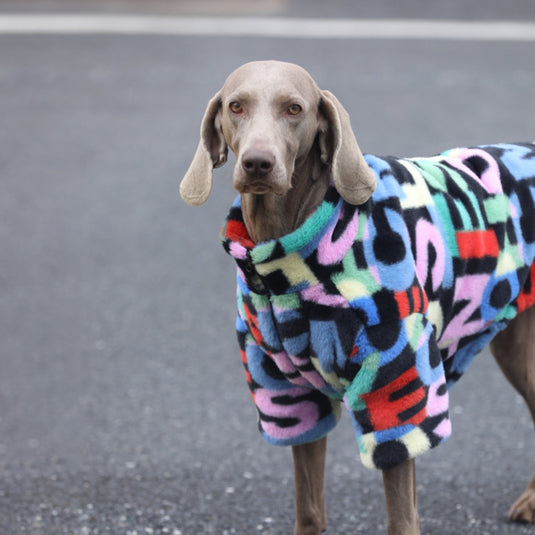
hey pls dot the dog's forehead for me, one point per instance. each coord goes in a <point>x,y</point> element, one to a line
<point>271,76</point>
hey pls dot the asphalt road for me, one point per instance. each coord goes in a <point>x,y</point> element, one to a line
<point>123,407</point>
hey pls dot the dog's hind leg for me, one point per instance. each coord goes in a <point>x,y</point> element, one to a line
<point>514,350</point>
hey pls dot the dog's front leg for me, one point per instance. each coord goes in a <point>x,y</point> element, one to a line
<point>309,468</point>
<point>400,494</point>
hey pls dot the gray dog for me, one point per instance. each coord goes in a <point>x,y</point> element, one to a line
<point>365,281</point>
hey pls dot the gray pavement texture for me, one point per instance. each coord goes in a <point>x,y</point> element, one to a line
<point>123,407</point>
<point>445,9</point>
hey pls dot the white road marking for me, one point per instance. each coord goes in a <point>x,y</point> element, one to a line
<point>405,29</point>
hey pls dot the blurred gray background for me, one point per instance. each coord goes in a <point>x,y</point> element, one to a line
<point>123,404</point>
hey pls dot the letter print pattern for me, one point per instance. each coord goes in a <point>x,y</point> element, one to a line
<point>381,307</point>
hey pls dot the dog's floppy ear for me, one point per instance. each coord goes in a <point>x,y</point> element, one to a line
<point>352,177</point>
<point>211,152</point>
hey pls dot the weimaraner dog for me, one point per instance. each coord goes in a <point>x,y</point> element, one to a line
<point>293,145</point>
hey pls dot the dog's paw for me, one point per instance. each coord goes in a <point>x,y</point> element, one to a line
<point>523,510</point>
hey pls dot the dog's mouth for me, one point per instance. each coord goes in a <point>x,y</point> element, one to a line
<point>259,187</point>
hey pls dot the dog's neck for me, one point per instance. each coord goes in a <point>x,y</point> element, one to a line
<point>269,216</point>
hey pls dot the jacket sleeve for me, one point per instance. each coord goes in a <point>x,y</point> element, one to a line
<point>288,413</point>
<point>398,399</point>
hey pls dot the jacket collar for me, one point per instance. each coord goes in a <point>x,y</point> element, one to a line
<point>278,266</point>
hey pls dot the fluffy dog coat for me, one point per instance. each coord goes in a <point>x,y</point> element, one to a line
<point>384,305</point>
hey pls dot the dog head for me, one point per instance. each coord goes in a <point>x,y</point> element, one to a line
<point>272,115</point>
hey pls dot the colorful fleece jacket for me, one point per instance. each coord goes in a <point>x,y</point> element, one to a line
<point>383,306</point>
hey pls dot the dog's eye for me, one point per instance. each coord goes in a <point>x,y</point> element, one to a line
<point>294,109</point>
<point>235,107</point>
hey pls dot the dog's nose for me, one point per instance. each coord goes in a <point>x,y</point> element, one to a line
<point>258,162</point>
